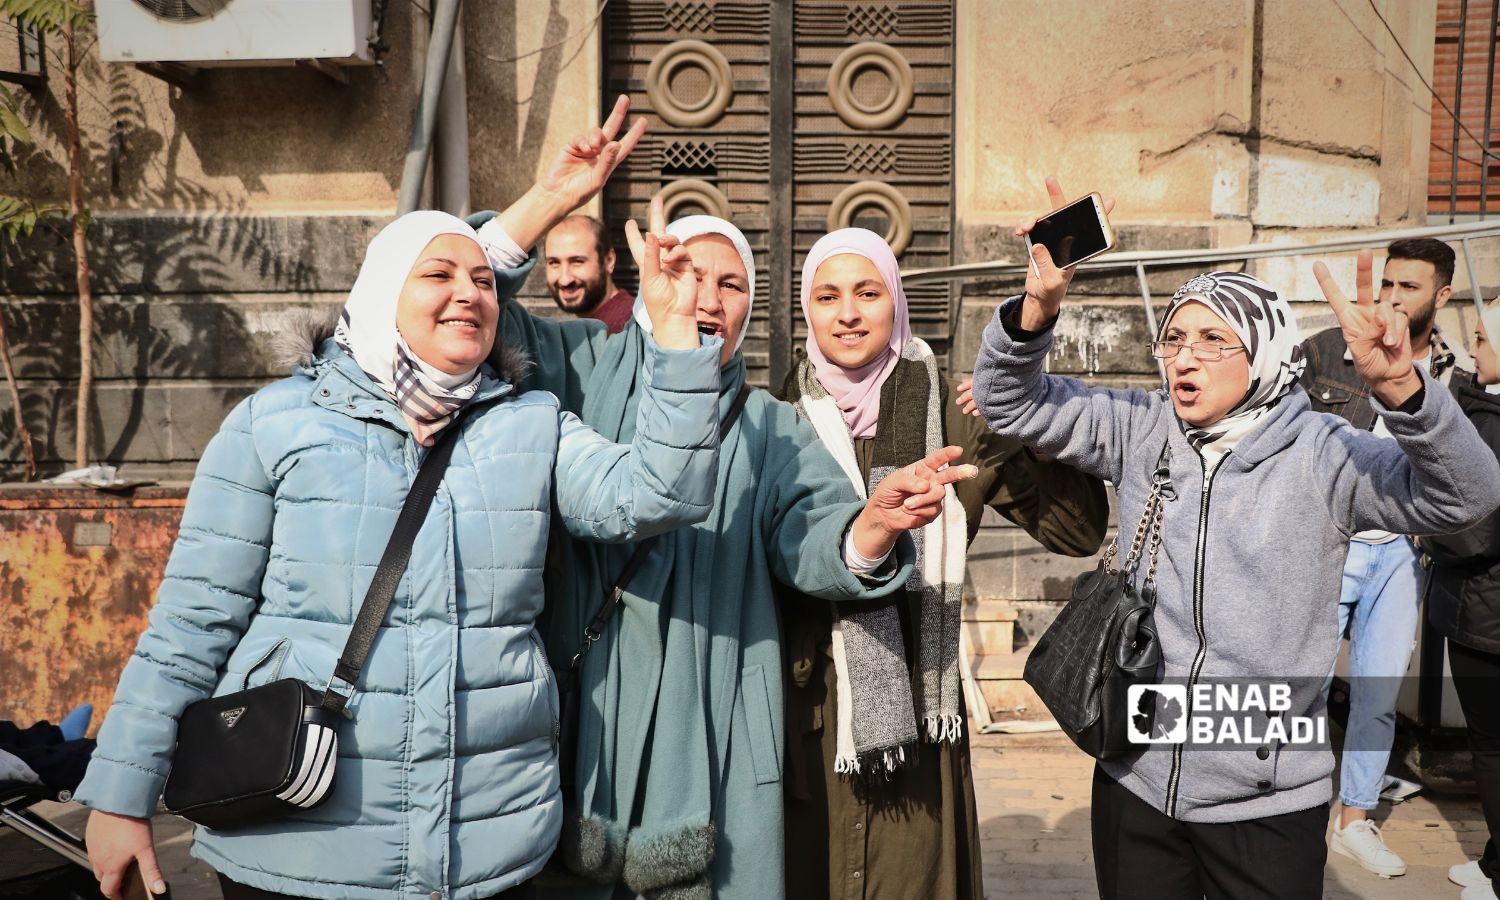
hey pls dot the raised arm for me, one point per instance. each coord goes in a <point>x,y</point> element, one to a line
<point>578,172</point>
<point>667,476</point>
<point>1440,476</point>
<point>1089,429</point>
<point>563,351</point>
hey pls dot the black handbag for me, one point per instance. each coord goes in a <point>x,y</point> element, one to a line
<point>1104,640</point>
<point>567,677</point>
<point>263,753</point>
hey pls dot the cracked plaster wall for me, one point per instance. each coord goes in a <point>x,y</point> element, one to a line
<point>1271,113</point>
<point>1211,123</point>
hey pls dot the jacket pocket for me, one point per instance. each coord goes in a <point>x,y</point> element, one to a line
<point>250,667</point>
<point>763,745</point>
<point>1221,774</point>
<point>539,656</point>
<point>1331,396</point>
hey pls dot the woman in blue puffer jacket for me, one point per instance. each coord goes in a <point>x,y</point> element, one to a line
<point>447,783</point>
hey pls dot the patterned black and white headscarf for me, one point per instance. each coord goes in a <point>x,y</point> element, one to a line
<point>427,396</point>
<point>1273,344</point>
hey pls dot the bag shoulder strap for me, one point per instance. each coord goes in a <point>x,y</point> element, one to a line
<point>616,592</point>
<point>1149,527</point>
<point>392,565</point>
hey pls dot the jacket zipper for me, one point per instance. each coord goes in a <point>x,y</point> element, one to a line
<point>1197,668</point>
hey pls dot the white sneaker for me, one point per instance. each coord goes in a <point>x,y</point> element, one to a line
<point>1361,842</point>
<point>1478,892</point>
<point>1467,874</point>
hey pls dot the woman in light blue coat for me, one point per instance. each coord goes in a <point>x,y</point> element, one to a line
<point>447,782</point>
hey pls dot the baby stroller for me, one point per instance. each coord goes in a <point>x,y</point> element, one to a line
<point>43,763</point>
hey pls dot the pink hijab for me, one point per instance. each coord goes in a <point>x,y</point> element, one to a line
<point>857,391</point>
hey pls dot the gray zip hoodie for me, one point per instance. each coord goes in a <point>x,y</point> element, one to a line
<point>1251,559</point>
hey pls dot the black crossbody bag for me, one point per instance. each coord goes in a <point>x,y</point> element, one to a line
<point>567,678</point>
<point>1104,640</point>
<point>264,753</point>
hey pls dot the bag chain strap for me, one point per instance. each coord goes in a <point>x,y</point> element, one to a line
<point>1149,527</point>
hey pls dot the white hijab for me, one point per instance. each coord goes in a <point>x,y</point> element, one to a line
<point>427,396</point>
<point>689,227</point>
<point>1491,319</point>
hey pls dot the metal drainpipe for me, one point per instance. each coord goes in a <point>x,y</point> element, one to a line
<point>452,163</point>
<point>424,120</point>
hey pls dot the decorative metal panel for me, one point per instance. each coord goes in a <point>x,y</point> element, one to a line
<point>868,118</point>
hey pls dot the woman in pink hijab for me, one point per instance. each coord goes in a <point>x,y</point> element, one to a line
<point>875,707</point>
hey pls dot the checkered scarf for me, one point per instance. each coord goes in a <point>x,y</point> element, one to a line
<point>427,397</point>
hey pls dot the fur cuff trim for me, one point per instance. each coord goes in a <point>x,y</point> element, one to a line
<point>697,890</point>
<point>675,857</point>
<point>593,847</point>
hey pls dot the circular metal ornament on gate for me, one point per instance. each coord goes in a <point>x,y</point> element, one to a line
<point>884,200</point>
<point>871,86</point>
<point>689,84</point>
<point>692,196</point>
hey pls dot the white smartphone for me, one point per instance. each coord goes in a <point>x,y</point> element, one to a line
<point>1074,233</point>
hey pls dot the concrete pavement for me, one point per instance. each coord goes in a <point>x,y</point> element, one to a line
<point>1033,795</point>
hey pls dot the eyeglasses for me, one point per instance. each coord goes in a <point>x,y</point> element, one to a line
<point>1204,351</point>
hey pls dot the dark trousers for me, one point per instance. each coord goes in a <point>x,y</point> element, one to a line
<point>1476,678</point>
<point>233,890</point>
<point>1140,852</point>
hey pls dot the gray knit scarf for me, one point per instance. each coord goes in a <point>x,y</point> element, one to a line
<point>881,701</point>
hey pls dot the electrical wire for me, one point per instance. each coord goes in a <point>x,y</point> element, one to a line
<point>1435,96</point>
<point>581,33</point>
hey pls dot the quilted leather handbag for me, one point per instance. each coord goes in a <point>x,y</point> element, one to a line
<point>1104,640</point>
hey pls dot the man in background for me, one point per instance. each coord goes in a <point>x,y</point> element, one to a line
<point>1383,579</point>
<point>580,263</point>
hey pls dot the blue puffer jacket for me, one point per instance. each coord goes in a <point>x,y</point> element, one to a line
<point>446,782</point>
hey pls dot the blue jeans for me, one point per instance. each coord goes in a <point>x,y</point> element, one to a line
<point>1381,597</point>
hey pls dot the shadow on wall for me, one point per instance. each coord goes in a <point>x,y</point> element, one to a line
<point>152,352</point>
<point>508,130</point>
<point>173,254</point>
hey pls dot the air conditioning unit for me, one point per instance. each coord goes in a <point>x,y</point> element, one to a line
<point>235,32</point>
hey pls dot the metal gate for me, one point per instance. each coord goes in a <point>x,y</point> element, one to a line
<point>792,118</point>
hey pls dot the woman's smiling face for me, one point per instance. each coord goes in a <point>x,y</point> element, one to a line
<point>448,309</point>
<point>850,310</point>
<point>1204,391</point>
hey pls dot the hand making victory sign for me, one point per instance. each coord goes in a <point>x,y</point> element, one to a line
<point>669,284</point>
<point>580,169</point>
<point>1378,336</point>
<point>578,172</point>
<point>910,497</point>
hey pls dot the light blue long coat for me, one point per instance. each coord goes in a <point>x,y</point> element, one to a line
<point>681,732</point>
<point>447,778</point>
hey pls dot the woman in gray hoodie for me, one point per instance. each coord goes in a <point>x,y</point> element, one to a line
<point>1264,496</point>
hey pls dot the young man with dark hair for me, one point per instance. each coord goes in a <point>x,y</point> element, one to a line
<point>1382,576</point>
<point>580,262</point>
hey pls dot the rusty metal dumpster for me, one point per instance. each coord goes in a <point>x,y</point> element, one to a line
<point>79,569</point>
